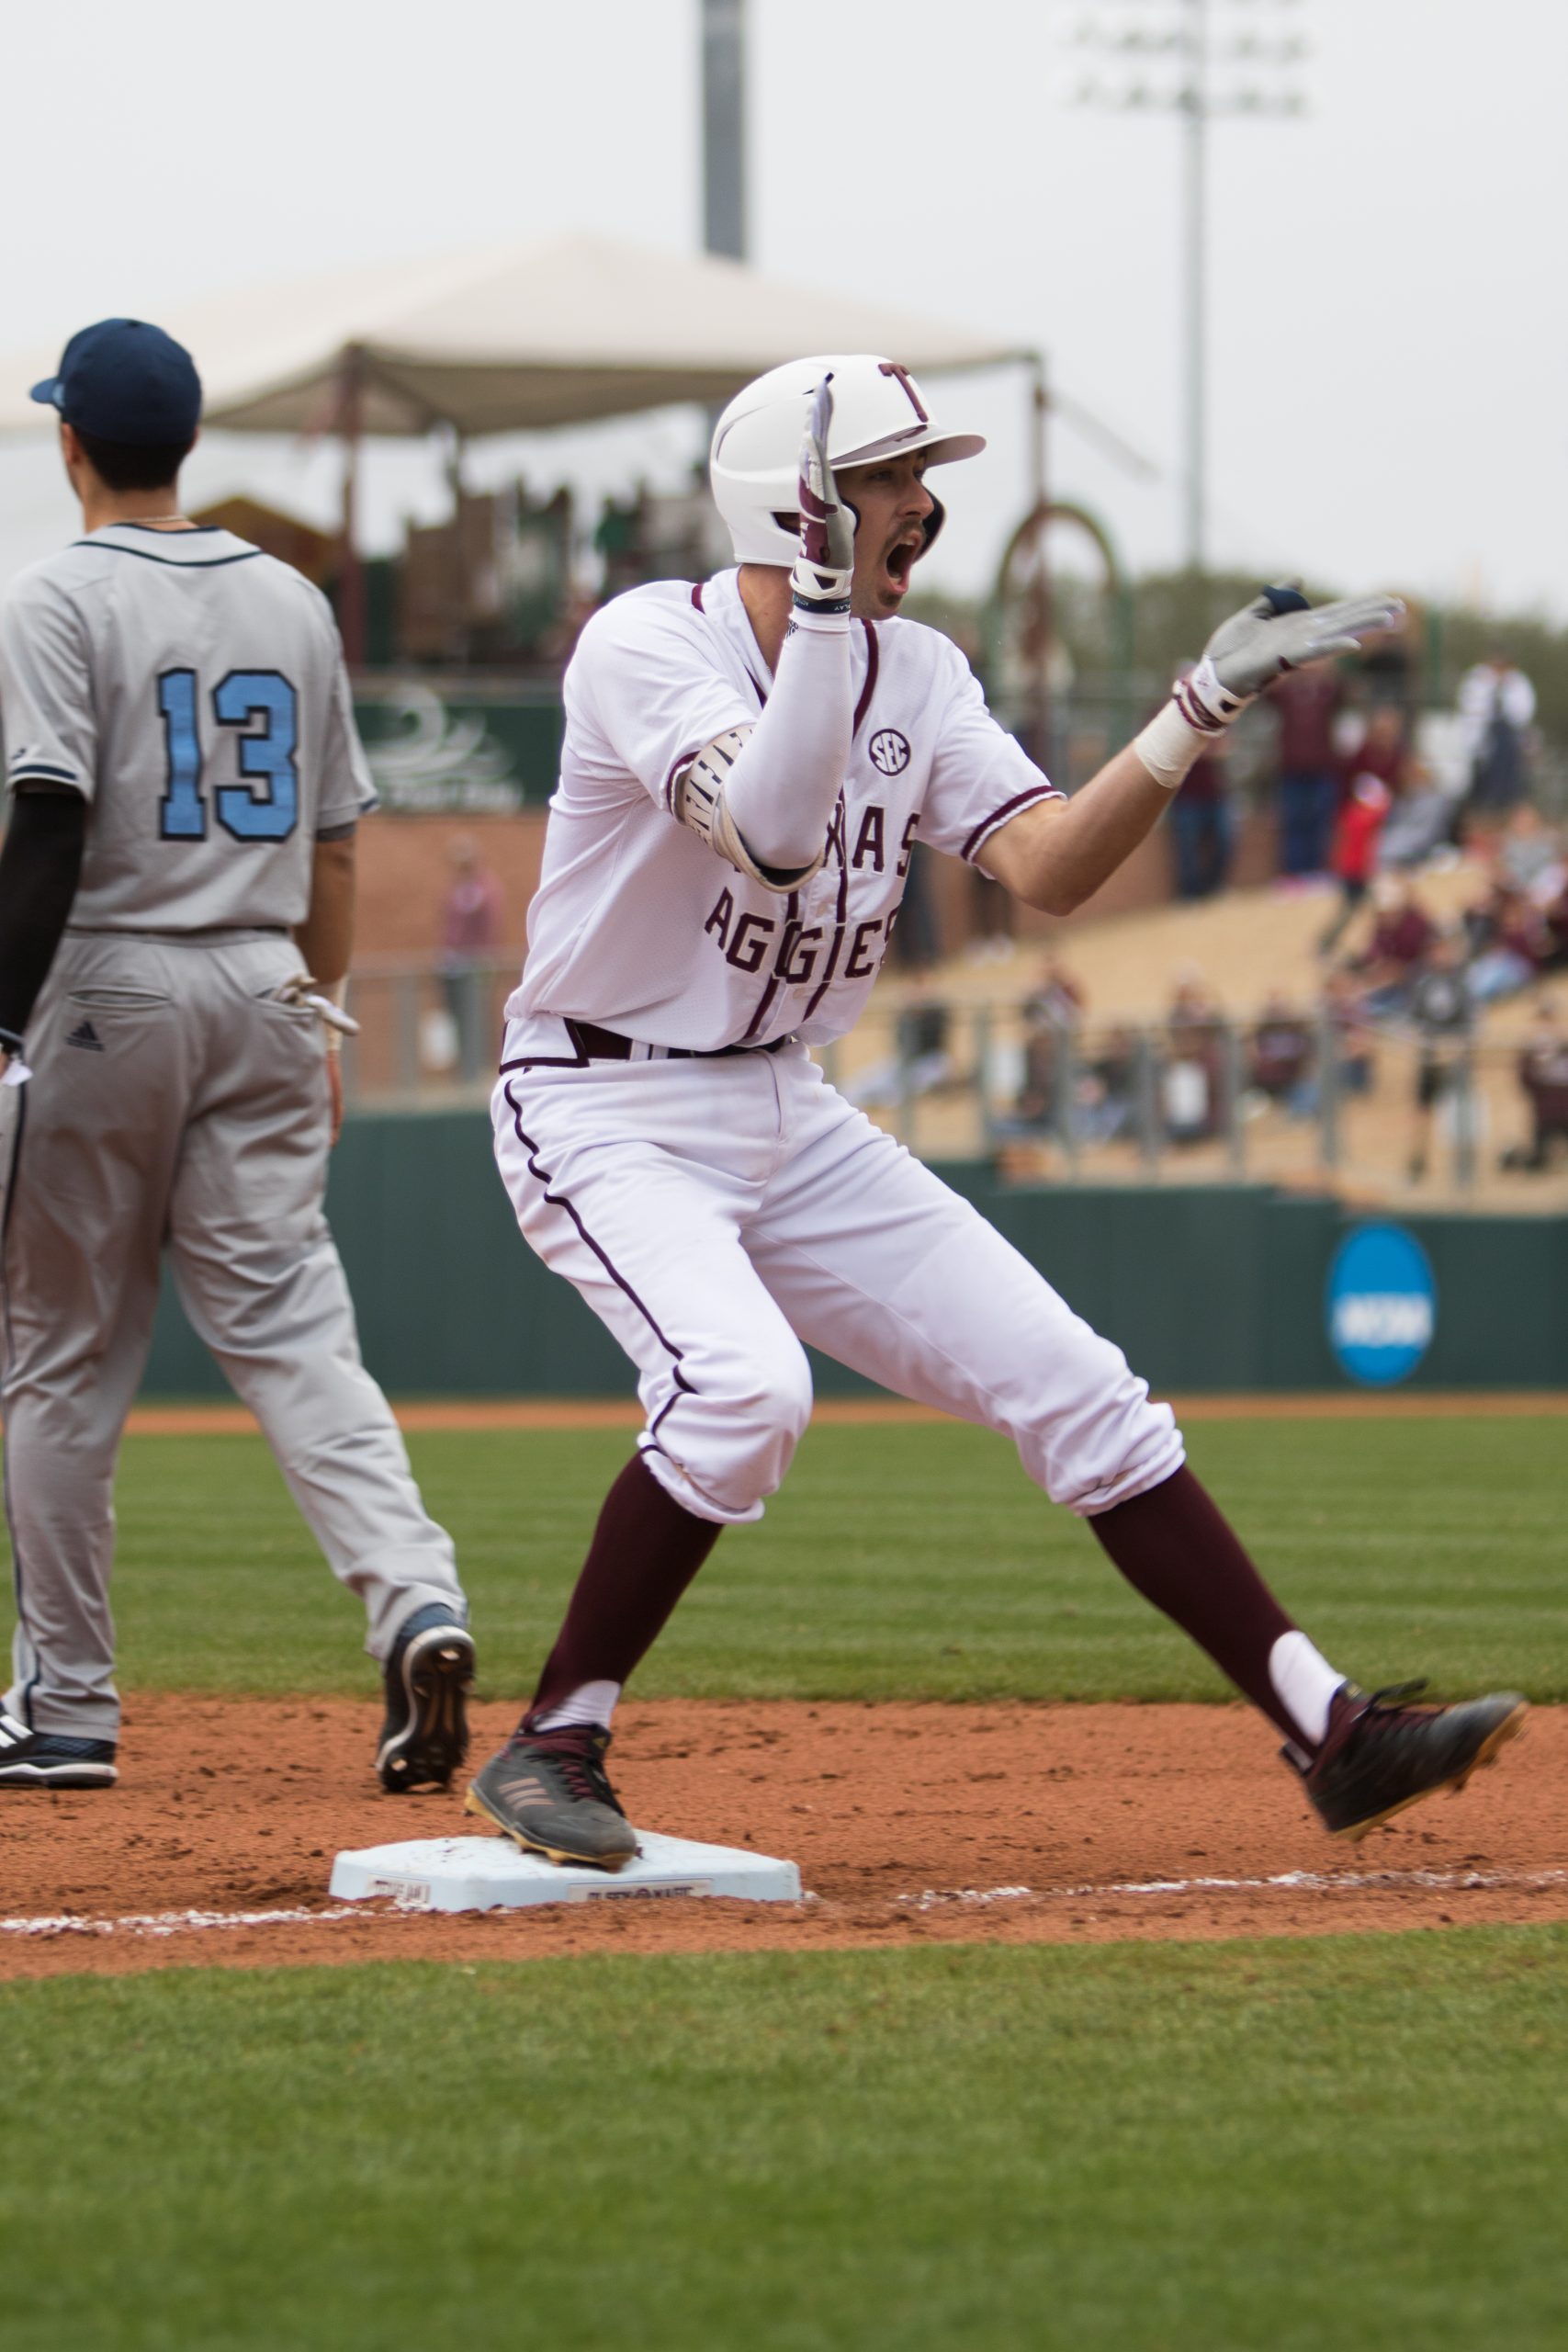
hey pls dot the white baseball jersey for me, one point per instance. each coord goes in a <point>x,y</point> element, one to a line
<point>636,923</point>
<point>193,690</point>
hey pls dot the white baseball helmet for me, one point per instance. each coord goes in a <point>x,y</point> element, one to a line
<point>879,410</point>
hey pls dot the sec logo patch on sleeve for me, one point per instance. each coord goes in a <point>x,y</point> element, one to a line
<point>889,751</point>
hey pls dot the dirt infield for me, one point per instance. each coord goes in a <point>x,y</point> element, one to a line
<point>613,1413</point>
<point>911,1824</point>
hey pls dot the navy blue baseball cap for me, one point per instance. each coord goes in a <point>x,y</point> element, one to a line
<point>126,382</point>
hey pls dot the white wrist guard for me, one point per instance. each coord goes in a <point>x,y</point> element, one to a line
<point>700,804</point>
<point>1199,709</point>
<point>1168,747</point>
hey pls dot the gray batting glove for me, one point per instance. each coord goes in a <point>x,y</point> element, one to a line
<point>1279,631</point>
<point>825,565</point>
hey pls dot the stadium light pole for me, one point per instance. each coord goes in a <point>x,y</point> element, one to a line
<point>724,127</point>
<point>1201,72</point>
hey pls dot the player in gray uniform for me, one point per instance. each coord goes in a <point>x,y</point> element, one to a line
<point>185,782</point>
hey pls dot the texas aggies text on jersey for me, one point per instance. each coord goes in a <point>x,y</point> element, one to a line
<point>638,925</point>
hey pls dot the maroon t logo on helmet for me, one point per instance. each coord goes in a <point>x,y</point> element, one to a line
<point>891,367</point>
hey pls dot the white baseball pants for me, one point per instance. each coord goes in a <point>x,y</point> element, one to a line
<point>717,1213</point>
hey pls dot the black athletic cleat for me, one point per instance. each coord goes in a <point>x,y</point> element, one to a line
<point>549,1791</point>
<point>1379,1756</point>
<point>53,1759</point>
<point>428,1677</point>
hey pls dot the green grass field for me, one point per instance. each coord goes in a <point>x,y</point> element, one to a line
<point>900,1562</point>
<point>1351,2143</point>
<point>1348,2144</point>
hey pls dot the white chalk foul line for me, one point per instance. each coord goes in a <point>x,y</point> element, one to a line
<point>1286,1882</point>
<point>163,1923</point>
<point>175,1923</point>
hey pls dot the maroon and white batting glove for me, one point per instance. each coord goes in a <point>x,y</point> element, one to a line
<point>825,565</point>
<point>1279,631</point>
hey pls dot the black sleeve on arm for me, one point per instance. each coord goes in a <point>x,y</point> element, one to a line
<point>41,865</point>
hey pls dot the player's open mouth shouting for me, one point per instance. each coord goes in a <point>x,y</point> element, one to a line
<point>894,508</point>
<point>905,550</point>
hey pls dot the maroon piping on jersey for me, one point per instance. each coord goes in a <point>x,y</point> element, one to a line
<point>841,913</point>
<point>676,772</point>
<point>576,1060</point>
<point>792,915</point>
<point>560,1201</point>
<point>873,661</point>
<point>987,825</point>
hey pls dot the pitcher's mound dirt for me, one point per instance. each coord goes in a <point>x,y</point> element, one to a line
<point>910,1824</point>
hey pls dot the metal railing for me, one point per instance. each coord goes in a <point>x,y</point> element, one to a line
<point>1326,1098</point>
<point>429,1030</point>
<point>1331,1099</point>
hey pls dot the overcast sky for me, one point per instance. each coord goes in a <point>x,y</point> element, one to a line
<point>1389,334</point>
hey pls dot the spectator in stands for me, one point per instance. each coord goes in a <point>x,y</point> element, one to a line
<point>1341,1046</point>
<point>920,1060</point>
<point>921,1032</point>
<point>1554,932</point>
<point>617,540</point>
<point>1108,1089</point>
<point>1051,1013</point>
<point>1440,1014</point>
<point>1306,703</point>
<point>1369,796</point>
<point>1543,1075</point>
<point>1402,933</point>
<point>1203,825</point>
<point>1279,1061</point>
<point>1190,1081</point>
<point>1342,1017</point>
<point>1384,750</point>
<point>1529,855</point>
<point>1508,941</point>
<point>1496,702</point>
<point>472,921</point>
<point>1056,996</point>
<point>1420,820</point>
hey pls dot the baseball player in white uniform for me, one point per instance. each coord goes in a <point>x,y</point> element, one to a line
<point>746,767</point>
<point>184,781</point>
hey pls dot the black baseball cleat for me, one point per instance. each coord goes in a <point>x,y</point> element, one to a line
<point>427,1678</point>
<point>1378,1756</point>
<point>549,1791</point>
<point>53,1759</point>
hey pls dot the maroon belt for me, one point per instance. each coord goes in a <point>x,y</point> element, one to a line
<point>608,1046</point>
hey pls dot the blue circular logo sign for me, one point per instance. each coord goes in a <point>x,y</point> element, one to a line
<point>1382,1304</point>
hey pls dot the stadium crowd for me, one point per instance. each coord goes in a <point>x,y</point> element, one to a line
<point>1359,811</point>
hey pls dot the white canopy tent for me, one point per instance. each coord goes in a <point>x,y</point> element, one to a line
<point>509,339</point>
<point>514,338</point>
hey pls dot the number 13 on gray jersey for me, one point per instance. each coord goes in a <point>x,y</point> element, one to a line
<point>193,690</point>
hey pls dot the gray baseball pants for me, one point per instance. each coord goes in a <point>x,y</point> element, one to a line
<point>177,1105</point>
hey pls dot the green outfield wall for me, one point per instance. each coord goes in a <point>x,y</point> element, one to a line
<point>1205,1286</point>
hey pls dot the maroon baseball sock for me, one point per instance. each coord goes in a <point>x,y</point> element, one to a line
<point>1175,1547</point>
<point>645,1552</point>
